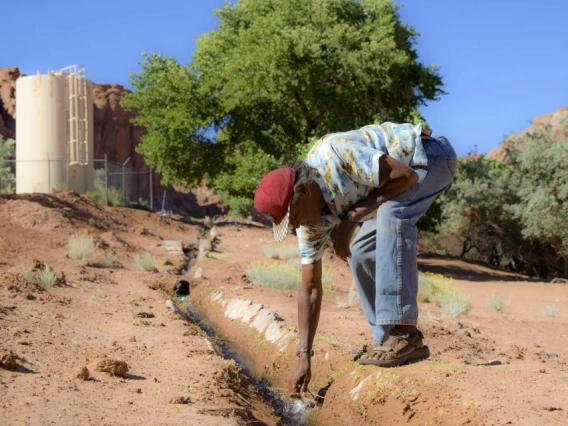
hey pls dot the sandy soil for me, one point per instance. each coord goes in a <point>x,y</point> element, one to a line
<point>99,315</point>
<point>173,377</point>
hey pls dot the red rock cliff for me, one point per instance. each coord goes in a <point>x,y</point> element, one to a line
<point>559,125</point>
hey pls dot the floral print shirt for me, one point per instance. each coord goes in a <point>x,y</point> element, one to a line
<point>348,166</point>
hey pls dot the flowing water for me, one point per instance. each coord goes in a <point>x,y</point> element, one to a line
<point>292,411</point>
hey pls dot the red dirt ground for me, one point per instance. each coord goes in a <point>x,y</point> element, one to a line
<point>174,378</point>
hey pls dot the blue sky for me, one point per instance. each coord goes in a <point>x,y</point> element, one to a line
<point>504,62</point>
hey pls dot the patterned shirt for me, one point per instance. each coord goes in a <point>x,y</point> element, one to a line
<point>348,166</point>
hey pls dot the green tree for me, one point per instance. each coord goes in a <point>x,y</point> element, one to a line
<point>476,209</point>
<point>272,76</point>
<point>542,162</point>
<point>7,152</point>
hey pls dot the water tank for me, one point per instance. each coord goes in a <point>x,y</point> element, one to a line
<point>54,132</point>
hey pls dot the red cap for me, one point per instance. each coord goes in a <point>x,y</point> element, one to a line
<point>273,196</point>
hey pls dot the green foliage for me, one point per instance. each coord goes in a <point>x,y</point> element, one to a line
<point>7,152</point>
<point>98,194</point>
<point>542,178</point>
<point>273,76</point>
<point>435,288</point>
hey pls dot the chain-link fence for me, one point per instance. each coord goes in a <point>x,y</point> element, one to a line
<point>108,182</point>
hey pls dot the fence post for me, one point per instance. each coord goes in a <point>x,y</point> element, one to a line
<point>106,180</point>
<point>151,191</point>
<point>124,181</point>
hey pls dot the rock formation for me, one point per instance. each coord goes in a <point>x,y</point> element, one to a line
<point>8,77</point>
<point>559,126</point>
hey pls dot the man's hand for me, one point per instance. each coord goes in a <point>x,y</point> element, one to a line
<point>342,239</point>
<point>302,376</point>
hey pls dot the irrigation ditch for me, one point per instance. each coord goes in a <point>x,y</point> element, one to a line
<point>215,315</point>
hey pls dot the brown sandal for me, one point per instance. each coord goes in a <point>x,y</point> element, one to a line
<point>414,340</point>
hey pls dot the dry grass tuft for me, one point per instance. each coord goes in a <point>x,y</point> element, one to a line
<point>82,248</point>
<point>435,288</point>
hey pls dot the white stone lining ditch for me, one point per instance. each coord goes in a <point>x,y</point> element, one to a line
<point>264,321</point>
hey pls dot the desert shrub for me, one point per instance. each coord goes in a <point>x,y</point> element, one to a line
<point>326,275</point>
<point>496,303</point>
<point>550,311</point>
<point>141,204</point>
<point>145,262</point>
<point>82,248</point>
<point>7,152</point>
<point>45,277</point>
<point>109,258</point>
<point>274,274</point>
<point>280,251</point>
<point>98,193</point>
<point>435,288</point>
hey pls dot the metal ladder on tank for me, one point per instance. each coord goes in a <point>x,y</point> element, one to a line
<point>77,114</point>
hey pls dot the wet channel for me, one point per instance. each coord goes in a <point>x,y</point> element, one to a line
<point>291,411</point>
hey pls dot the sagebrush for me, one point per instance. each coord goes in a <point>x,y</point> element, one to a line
<point>145,261</point>
<point>497,303</point>
<point>280,251</point>
<point>82,248</point>
<point>435,288</point>
<point>44,276</point>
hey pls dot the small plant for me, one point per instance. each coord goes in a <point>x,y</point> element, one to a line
<point>189,390</point>
<point>498,304</point>
<point>133,302</point>
<point>435,288</point>
<point>145,262</point>
<point>45,277</point>
<point>274,274</point>
<point>98,294</point>
<point>280,251</point>
<point>109,258</point>
<point>82,248</point>
<point>550,311</point>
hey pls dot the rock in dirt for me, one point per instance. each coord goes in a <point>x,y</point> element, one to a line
<point>179,400</point>
<point>198,273</point>
<point>112,366</point>
<point>467,333</point>
<point>7,360</point>
<point>81,373</point>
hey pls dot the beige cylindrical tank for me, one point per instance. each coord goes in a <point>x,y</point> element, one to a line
<point>41,133</point>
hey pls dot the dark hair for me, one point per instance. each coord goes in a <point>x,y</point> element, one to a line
<point>305,175</point>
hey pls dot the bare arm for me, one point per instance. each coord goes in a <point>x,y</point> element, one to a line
<point>309,306</point>
<point>394,178</point>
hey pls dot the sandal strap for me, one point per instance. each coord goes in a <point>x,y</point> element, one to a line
<point>404,340</point>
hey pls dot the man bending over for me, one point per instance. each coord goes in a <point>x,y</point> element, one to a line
<point>382,178</point>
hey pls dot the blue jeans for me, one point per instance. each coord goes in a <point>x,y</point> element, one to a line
<point>383,255</point>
